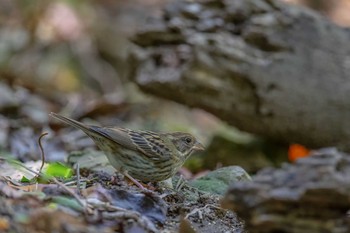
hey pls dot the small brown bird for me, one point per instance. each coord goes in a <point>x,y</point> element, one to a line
<point>144,155</point>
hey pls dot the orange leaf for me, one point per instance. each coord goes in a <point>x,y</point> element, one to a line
<point>297,151</point>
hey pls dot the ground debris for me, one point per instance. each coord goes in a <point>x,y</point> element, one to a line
<point>106,206</point>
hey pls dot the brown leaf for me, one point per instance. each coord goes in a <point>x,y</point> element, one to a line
<point>186,226</point>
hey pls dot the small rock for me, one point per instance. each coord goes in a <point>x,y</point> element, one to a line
<point>91,159</point>
<point>217,181</point>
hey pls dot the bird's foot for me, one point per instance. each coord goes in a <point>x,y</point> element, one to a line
<point>138,184</point>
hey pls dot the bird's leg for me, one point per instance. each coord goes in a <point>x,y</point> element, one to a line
<point>125,173</point>
<point>180,183</point>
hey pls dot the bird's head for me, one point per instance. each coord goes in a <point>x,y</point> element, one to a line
<point>185,143</point>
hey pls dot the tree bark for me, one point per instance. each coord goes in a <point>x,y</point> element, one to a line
<point>266,67</point>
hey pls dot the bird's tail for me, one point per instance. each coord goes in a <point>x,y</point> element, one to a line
<point>71,122</point>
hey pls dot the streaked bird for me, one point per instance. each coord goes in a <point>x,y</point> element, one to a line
<point>143,155</point>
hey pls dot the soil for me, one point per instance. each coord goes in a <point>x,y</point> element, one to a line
<point>201,209</point>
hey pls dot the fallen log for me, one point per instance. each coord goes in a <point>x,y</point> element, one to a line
<point>266,67</point>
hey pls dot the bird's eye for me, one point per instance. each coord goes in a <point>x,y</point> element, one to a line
<point>188,140</point>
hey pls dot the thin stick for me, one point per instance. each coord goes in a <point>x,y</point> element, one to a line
<point>42,151</point>
<point>78,178</point>
<point>69,183</point>
<point>198,210</point>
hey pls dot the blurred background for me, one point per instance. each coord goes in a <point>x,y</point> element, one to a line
<point>71,57</point>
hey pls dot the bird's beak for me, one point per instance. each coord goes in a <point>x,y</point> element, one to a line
<point>198,147</point>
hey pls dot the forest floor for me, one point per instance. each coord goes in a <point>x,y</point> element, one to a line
<point>109,203</point>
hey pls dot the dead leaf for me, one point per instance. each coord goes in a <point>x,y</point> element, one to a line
<point>186,226</point>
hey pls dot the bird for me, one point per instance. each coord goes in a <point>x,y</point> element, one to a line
<point>146,156</point>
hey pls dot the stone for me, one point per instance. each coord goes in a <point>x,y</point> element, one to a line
<point>312,195</point>
<point>217,181</point>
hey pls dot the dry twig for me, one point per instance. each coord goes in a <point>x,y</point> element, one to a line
<point>199,211</point>
<point>42,151</point>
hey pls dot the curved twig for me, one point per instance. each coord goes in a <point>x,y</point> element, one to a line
<point>42,151</point>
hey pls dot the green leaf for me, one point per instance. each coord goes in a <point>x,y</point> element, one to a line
<point>25,180</point>
<point>67,202</point>
<point>58,170</point>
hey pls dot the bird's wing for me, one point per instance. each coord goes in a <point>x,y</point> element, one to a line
<point>148,143</point>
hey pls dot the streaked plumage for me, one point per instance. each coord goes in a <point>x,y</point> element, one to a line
<point>144,155</point>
